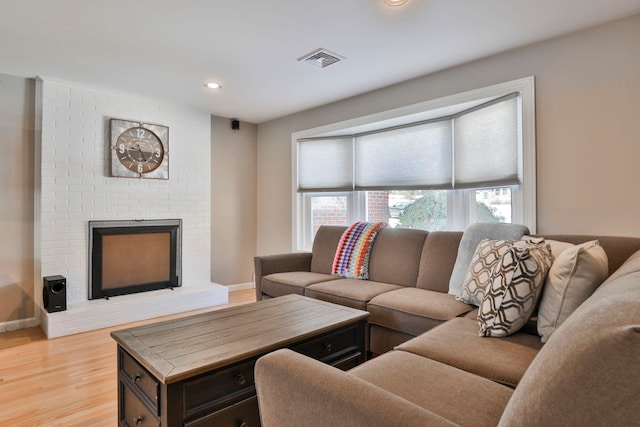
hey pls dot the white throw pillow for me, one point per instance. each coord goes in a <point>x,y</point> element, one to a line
<point>575,274</point>
<point>558,247</point>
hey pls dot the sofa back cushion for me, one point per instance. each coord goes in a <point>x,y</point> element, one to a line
<point>618,249</point>
<point>325,244</point>
<point>469,242</point>
<point>395,256</point>
<point>437,259</point>
<point>588,371</point>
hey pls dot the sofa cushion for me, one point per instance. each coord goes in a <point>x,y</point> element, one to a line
<point>574,275</point>
<point>349,292</point>
<point>395,256</point>
<point>324,248</point>
<point>414,311</point>
<point>437,259</point>
<point>470,239</point>
<point>437,387</point>
<point>618,248</point>
<point>458,344</point>
<point>294,282</point>
<point>515,287</point>
<point>588,372</point>
<point>478,277</point>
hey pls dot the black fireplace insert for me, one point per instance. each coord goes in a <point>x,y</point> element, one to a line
<point>127,257</point>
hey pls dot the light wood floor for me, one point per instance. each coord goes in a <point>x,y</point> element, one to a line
<point>66,381</point>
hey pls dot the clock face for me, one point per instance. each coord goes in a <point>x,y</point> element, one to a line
<point>139,150</point>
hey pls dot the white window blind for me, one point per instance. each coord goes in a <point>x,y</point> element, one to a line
<point>486,145</point>
<point>417,156</point>
<point>478,147</point>
<point>325,164</point>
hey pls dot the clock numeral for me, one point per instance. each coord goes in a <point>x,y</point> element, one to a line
<point>157,153</point>
<point>140,132</point>
<point>140,168</point>
<point>121,148</point>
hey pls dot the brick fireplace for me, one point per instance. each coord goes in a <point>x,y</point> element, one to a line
<point>74,187</point>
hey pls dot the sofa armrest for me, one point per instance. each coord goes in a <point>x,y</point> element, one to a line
<point>282,263</point>
<point>294,390</point>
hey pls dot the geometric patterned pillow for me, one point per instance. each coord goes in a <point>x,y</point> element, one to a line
<point>487,255</point>
<point>515,286</point>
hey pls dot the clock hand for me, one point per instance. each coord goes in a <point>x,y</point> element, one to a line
<point>141,152</point>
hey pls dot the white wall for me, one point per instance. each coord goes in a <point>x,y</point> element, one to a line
<point>76,186</point>
<point>587,91</point>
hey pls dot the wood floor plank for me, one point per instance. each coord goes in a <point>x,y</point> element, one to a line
<point>68,381</point>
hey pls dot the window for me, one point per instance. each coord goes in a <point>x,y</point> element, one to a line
<point>440,165</point>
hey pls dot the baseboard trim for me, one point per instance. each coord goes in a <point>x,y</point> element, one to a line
<point>241,286</point>
<point>14,325</point>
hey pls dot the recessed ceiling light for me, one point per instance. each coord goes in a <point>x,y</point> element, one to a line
<point>395,2</point>
<point>214,85</point>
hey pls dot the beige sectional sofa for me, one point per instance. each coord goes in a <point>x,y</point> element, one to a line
<point>409,272</point>
<point>431,366</point>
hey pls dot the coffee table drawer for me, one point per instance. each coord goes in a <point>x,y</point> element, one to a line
<point>330,346</point>
<point>140,378</point>
<point>351,360</point>
<point>219,389</point>
<point>134,412</point>
<point>242,414</point>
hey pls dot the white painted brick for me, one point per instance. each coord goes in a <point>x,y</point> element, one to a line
<point>76,187</point>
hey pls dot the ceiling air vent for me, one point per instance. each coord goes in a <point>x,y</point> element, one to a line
<point>321,58</point>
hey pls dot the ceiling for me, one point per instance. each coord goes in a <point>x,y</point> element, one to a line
<point>169,49</point>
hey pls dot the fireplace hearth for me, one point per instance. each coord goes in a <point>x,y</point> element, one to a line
<point>128,257</point>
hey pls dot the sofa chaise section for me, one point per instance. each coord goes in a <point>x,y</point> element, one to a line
<point>397,389</point>
<point>457,343</point>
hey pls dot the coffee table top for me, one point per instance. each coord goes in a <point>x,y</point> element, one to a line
<point>177,349</point>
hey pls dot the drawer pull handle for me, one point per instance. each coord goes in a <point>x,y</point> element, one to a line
<point>240,379</point>
<point>135,378</point>
<point>138,420</point>
<point>328,347</point>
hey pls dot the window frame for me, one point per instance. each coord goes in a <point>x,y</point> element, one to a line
<point>523,195</point>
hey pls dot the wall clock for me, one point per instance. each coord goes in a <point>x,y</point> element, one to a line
<point>139,150</point>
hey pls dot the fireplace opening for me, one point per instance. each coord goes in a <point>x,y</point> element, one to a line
<point>127,257</point>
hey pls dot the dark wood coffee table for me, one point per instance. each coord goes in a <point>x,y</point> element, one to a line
<point>198,370</point>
